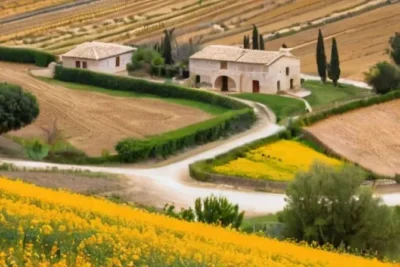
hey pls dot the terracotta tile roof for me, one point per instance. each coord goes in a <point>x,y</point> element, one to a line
<point>98,50</point>
<point>236,54</point>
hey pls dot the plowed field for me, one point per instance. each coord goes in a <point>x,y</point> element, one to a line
<point>368,136</point>
<point>93,121</point>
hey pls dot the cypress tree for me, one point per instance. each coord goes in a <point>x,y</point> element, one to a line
<point>255,37</point>
<point>334,66</point>
<point>261,44</point>
<point>245,42</point>
<point>167,49</point>
<point>394,50</point>
<point>321,57</point>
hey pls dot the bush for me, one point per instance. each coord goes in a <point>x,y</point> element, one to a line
<point>36,150</point>
<point>383,77</point>
<point>143,87</point>
<point>17,108</point>
<point>132,150</point>
<point>25,55</point>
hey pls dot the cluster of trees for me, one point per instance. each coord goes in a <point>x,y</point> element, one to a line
<point>331,207</point>
<point>328,69</point>
<point>257,40</point>
<point>384,76</point>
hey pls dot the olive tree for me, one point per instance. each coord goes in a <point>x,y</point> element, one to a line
<point>328,206</point>
<point>17,108</point>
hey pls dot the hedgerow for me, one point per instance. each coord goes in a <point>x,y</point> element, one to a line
<point>26,55</point>
<point>240,117</point>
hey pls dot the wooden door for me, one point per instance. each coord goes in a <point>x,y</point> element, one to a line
<point>256,86</point>
<point>224,87</point>
<point>291,84</point>
<point>118,61</point>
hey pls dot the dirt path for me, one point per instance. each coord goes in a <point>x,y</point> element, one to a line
<point>92,121</point>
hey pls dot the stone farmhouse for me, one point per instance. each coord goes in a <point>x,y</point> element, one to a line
<point>98,56</point>
<point>236,69</point>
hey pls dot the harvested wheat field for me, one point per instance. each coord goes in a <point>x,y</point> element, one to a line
<point>368,136</point>
<point>93,121</point>
<point>362,41</point>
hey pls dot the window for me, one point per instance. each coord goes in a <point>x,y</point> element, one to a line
<point>117,61</point>
<point>84,65</point>
<point>278,85</point>
<point>287,71</point>
<point>77,64</point>
<point>224,65</point>
<point>198,79</point>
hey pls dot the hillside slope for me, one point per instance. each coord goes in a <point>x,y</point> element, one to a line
<point>73,230</point>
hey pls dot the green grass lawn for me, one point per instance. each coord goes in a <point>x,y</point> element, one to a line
<point>282,106</point>
<point>327,94</point>
<point>211,109</point>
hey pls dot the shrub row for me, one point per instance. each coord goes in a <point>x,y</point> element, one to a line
<point>25,55</point>
<point>144,87</point>
<point>308,120</point>
<point>202,170</point>
<point>164,145</point>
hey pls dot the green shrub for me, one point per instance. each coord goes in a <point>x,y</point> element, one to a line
<point>383,77</point>
<point>25,55</point>
<point>36,150</point>
<point>143,87</point>
<point>161,146</point>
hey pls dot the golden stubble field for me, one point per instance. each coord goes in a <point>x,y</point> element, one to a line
<point>368,136</point>
<point>92,121</point>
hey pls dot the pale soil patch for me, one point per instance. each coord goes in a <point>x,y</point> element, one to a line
<point>72,182</point>
<point>368,137</point>
<point>93,121</point>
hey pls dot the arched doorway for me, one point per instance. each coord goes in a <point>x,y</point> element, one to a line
<point>225,83</point>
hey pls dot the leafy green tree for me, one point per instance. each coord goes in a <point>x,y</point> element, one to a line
<point>246,42</point>
<point>334,66</point>
<point>261,44</point>
<point>321,57</point>
<point>394,50</point>
<point>383,77</point>
<point>17,108</point>
<point>255,37</point>
<point>211,210</point>
<point>328,206</point>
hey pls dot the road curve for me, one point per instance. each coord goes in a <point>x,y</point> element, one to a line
<point>171,183</point>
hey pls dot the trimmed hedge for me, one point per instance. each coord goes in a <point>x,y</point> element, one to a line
<point>164,145</point>
<point>144,87</point>
<point>26,55</point>
<point>308,120</point>
<point>240,117</point>
<point>202,170</point>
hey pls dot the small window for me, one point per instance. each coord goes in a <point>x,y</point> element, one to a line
<point>78,64</point>
<point>117,62</point>
<point>224,65</point>
<point>84,65</point>
<point>287,71</point>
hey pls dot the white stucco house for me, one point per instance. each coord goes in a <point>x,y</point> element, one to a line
<point>98,56</point>
<point>236,69</point>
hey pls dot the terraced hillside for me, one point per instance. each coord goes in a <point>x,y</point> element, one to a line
<point>220,22</point>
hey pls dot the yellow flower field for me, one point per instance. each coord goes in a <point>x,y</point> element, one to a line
<point>279,161</point>
<point>42,227</point>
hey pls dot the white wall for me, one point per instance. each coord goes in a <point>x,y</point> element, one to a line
<point>243,74</point>
<point>107,65</point>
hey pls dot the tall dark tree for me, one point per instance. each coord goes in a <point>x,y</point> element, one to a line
<point>261,43</point>
<point>394,50</point>
<point>167,48</point>
<point>334,66</point>
<point>321,57</point>
<point>246,42</point>
<point>255,37</point>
